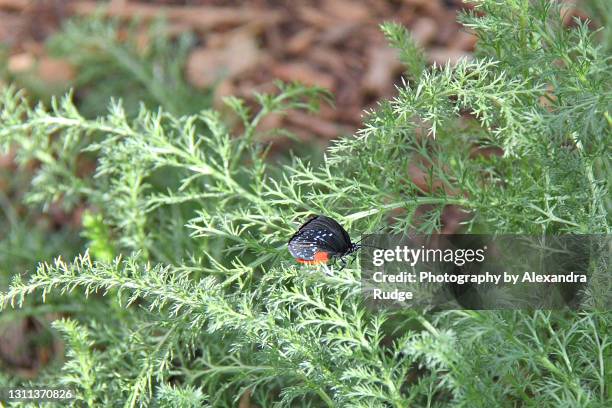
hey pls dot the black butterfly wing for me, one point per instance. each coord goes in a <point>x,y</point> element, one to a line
<point>318,239</point>
<point>306,248</point>
<point>335,235</point>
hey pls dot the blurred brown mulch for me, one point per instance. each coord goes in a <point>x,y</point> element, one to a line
<point>26,345</point>
<point>244,46</point>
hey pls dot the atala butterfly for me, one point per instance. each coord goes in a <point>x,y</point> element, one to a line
<point>320,240</point>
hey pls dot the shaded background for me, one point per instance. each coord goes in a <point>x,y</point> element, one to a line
<point>241,47</point>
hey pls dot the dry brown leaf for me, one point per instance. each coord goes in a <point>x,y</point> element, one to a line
<point>420,178</point>
<point>19,349</point>
<point>568,19</point>
<point>568,11</point>
<point>442,56</point>
<point>54,70</point>
<point>198,17</point>
<point>270,123</point>
<point>353,114</point>
<point>424,31</point>
<point>15,5</point>
<point>11,26</point>
<point>381,8</point>
<point>316,125</point>
<point>47,69</point>
<point>304,73</point>
<point>13,339</point>
<point>418,171</point>
<point>205,66</point>
<point>20,63</point>
<point>301,41</point>
<point>447,27</point>
<point>328,58</point>
<point>224,89</point>
<point>35,48</point>
<point>477,151</point>
<point>338,33</point>
<point>416,3</point>
<point>345,10</point>
<point>245,400</point>
<point>315,18</point>
<point>463,40</point>
<point>549,98</point>
<point>7,159</point>
<point>452,218</point>
<point>435,9</point>
<point>383,65</point>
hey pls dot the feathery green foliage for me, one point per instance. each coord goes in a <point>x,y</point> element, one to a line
<point>205,304</point>
<point>139,65</point>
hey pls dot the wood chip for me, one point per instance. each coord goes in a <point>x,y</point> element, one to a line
<point>442,56</point>
<point>54,70</point>
<point>205,66</point>
<point>418,170</point>
<point>549,98</point>
<point>21,63</point>
<point>223,89</point>
<point>304,73</point>
<point>245,400</point>
<point>46,68</point>
<point>487,152</point>
<point>452,217</point>
<point>300,42</point>
<point>316,125</point>
<point>463,40</point>
<point>435,9</point>
<point>345,10</point>
<point>269,125</point>
<point>383,65</point>
<point>424,31</point>
<point>198,17</point>
<point>316,18</point>
<point>328,58</point>
<point>7,160</point>
<point>337,33</point>
<point>12,26</point>
<point>447,27</point>
<point>14,5</point>
<point>416,3</point>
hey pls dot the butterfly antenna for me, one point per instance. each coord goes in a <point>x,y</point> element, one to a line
<point>377,231</point>
<point>368,246</point>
